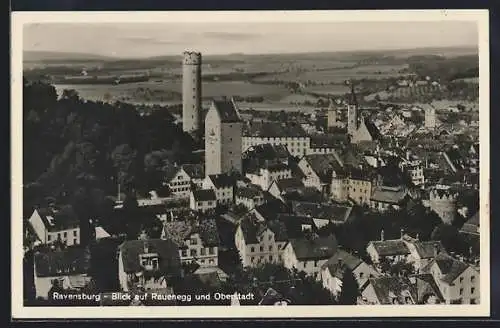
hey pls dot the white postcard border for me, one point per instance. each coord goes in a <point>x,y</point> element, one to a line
<point>19,311</point>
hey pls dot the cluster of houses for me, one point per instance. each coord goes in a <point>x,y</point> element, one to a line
<point>288,187</point>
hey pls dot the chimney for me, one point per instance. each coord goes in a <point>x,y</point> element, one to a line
<point>417,236</point>
<point>382,235</point>
<point>402,232</point>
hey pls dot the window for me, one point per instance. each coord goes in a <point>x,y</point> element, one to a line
<point>252,249</point>
<point>49,237</point>
<point>202,261</point>
<point>211,250</point>
<point>203,251</point>
<point>472,301</point>
<point>261,248</point>
<point>461,279</point>
<point>59,235</point>
<point>193,241</point>
<point>75,241</point>
<point>65,234</point>
<point>472,290</point>
<point>361,274</point>
<point>472,278</point>
<point>270,258</point>
<point>193,252</point>
<point>270,238</point>
<point>184,253</point>
<point>211,261</point>
<point>271,248</point>
<point>252,259</point>
<point>461,291</point>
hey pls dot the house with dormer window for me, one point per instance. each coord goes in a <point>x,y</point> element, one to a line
<point>196,241</point>
<point>309,254</point>
<point>223,185</point>
<point>68,269</point>
<point>53,224</point>
<point>260,242</point>
<point>147,264</point>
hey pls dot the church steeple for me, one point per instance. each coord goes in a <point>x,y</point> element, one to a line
<point>352,111</point>
<point>352,95</point>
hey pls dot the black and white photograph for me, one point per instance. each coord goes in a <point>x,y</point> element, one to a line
<point>242,164</point>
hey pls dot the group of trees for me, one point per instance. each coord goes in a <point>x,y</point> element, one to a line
<point>78,152</point>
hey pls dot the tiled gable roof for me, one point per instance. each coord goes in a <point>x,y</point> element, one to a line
<point>314,248</point>
<point>428,249</point>
<point>252,229</point>
<point>223,180</point>
<point>60,219</point>
<point>449,267</point>
<point>195,171</point>
<point>249,192</point>
<point>294,223</point>
<point>333,212</point>
<point>270,209</point>
<point>273,129</point>
<point>324,165</point>
<point>203,195</point>
<point>167,250</point>
<point>226,110</point>
<point>179,231</point>
<point>339,260</point>
<point>70,261</point>
<point>390,247</point>
<point>288,184</point>
<point>389,195</point>
<point>394,290</point>
<point>425,286</point>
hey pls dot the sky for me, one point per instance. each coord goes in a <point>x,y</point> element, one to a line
<point>135,40</point>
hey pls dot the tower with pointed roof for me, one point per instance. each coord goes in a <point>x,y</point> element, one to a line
<point>352,111</point>
<point>223,135</point>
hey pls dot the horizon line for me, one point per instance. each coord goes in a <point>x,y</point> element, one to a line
<point>364,50</point>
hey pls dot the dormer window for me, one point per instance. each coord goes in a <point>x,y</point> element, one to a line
<point>149,261</point>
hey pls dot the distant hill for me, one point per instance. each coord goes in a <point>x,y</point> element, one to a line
<point>55,56</point>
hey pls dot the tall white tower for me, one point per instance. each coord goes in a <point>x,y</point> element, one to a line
<point>191,92</point>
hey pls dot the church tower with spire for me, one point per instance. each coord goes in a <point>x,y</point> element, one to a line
<point>352,111</point>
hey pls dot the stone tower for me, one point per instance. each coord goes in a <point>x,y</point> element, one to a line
<point>223,138</point>
<point>442,200</point>
<point>430,117</point>
<point>352,112</point>
<point>332,115</point>
<point>191,92</point>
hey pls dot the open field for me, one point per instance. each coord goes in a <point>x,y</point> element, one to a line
<point>328,90</point>
<point>272,80</point>
<point>339,75</point>
<point>170,91</point>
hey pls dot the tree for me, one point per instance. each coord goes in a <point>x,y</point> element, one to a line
<point>123,157</point>
<point>349,291</point>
